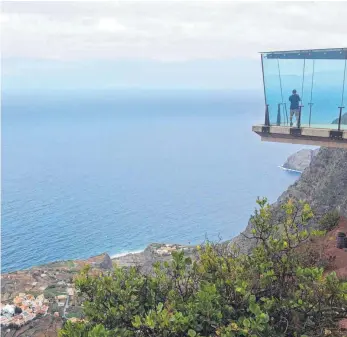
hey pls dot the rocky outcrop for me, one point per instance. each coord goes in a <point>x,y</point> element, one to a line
<point>300,160</point>
<point>343,119</point>
<point>106,263</point>
<point>155,252</point>
<point>323,185</point>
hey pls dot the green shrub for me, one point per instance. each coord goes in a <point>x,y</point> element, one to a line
<point>52,291</point>
<point>330,220</point>
<point>274,292</point>
<point>75,312</point>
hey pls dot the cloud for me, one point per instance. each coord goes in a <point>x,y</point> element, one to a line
<point>167,30</point>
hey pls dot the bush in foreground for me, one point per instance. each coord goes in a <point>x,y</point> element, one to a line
<point>278,290</point>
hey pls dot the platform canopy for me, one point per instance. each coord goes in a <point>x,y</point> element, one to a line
<point>319,77</point>
<point>313,54</point>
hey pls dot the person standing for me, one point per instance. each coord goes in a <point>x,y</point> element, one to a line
<point>294,107</point>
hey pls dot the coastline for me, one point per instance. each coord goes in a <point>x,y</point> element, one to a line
<point>288,169</point>
<point>146,256</point>
<point>123,254</point>
<point>54,282</point>
<point>125,258</point>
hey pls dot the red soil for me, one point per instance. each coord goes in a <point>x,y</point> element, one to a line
<point>340,262</point>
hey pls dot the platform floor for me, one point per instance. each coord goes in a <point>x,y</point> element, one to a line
<point>308,135</point>
<point>320,126</point>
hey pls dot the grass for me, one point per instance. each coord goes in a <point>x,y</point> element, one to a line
<point>76,312</point>
<point>52,291</point>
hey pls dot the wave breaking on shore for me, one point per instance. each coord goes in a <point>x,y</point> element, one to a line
<point>288,169</point>
<point>132,252</point>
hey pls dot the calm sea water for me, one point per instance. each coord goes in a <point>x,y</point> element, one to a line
<point>85,173</point>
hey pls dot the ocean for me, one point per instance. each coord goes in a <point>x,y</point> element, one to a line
<point>91,172</point>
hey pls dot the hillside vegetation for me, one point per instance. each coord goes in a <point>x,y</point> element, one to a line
<point>281,289</point>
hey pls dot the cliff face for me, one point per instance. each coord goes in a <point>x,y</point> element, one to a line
<point>323,185</point>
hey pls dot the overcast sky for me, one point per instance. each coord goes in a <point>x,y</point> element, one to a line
<point>158,43</point>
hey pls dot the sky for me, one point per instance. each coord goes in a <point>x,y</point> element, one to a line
<point>156,44</point>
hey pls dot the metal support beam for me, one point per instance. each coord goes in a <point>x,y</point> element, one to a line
<point>265,129</point>
<point>295,132</point>
<point>299,119</point>
<point>336,134</point>
<point>340,117</point>
<point>279,114</point>
<point>309,121</point>
<point>263,73</point>
<point>267,116</point>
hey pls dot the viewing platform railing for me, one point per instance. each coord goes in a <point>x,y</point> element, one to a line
<point>319,78</point>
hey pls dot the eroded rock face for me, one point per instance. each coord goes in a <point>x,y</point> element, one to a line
<point>300,160</point>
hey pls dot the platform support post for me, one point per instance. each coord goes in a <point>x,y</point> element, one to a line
<point>299,119</point>
<point>279,115</point>
<point>340,117</point>
<point>309,121</point>
<point>267,117</point>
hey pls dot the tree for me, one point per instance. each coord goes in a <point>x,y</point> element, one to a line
<point>278,290</point>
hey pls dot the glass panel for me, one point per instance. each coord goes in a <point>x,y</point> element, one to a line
<point>308,97</point>
<point>272,88</point>
<point>294,74</point>
<point>318,82</point>
<point>327,93</point>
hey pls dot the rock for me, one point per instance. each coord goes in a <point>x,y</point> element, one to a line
<point>343,119</point>
<point>300,160</point>
<point>106,263</point>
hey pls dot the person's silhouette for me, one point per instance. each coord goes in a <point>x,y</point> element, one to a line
<point>294,107</point>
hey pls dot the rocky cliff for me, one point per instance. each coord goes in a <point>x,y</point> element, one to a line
<point>343,119</point>
<point>300,160</point>
<point>323,185</point>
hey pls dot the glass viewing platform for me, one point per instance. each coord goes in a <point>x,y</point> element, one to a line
<point>317,114</point>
